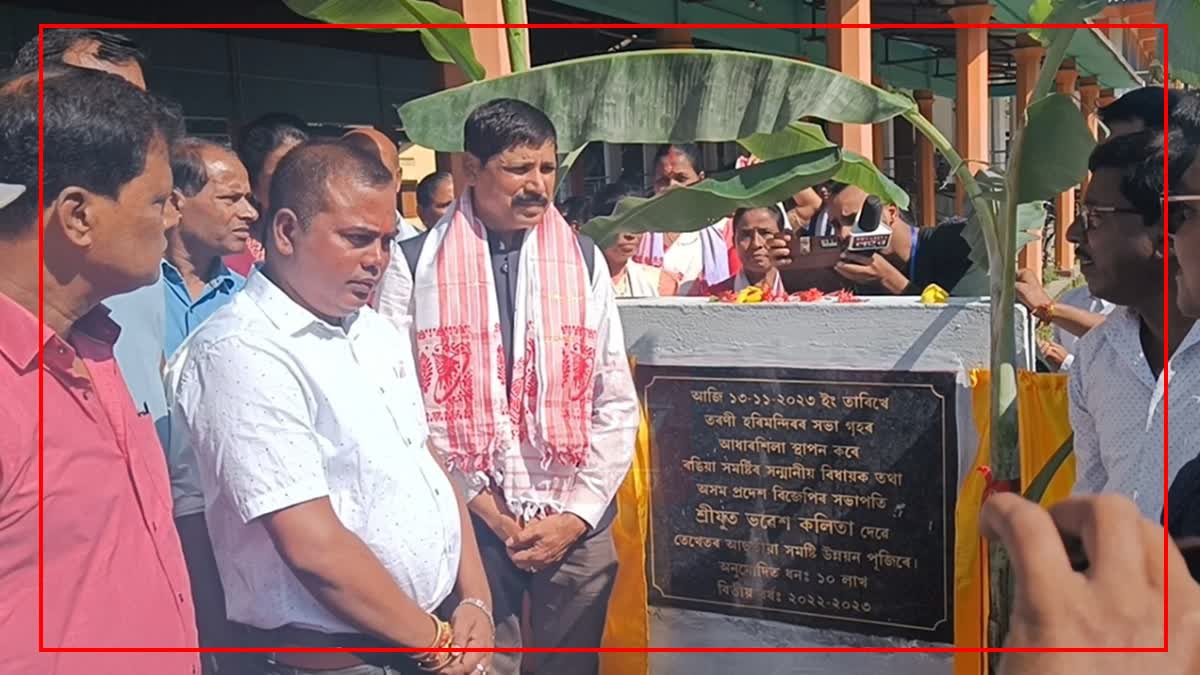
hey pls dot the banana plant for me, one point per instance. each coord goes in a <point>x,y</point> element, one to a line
<point>445,45</point>
<point>663,96</point>
<point>1183,21</point>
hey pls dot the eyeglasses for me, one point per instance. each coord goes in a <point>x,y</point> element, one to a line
<point>1091,216</point>
<point>1178,216</point>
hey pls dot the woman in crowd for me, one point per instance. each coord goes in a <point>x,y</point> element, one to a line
<point>707,254</point>
<point>752,228</point>
<point>630,279</point>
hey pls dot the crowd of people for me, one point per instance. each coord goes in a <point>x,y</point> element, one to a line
<point>279,415</point>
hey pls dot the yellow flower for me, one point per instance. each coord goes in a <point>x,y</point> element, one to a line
<point>934,295</point>
<point>750,295</point>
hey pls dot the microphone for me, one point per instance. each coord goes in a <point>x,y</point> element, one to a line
<point>869,234</point>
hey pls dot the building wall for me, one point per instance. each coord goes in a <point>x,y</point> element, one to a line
<point>223,78</point>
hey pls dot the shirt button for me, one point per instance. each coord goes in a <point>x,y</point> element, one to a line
<point>180,596</point>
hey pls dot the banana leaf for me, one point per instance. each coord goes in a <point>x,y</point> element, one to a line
<point>1183,24</point>
<point>1037,487</point>
<point>692,208</point>
<point>660,96</point>
<point>447,45</point>
<point>1061,11</point>
<point>1055,150</point>
<point>856,170</point>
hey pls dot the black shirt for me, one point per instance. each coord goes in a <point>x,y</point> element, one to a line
<point>943,257</point>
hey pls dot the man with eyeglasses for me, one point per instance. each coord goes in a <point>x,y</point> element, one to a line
<point>1183,225</point>
<point>1117,383</point>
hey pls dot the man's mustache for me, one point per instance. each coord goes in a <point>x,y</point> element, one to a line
<point>530,201</point>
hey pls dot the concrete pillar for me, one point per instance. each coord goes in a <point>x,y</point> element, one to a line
<point>926,173</point>
<point>673,38</point>
<point>1089,98</point>
<point>491,49</point>
<point>1064,204</point>
<point>849,52</point>
<point>1107,96</point>
<point>1029,54</point>
<point>612,162</point>
<point>648,153</point>
<point>972,117</point>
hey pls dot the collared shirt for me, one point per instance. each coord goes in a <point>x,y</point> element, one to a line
<point>183,316</point>
<point>1117,412</point>
<point>281,408</point>
<point>406,230</point>
<point>183,313</point>
<point>141,314</point>
<point>1080,298</point>
<point>114,569</point>
<point>615,414</point>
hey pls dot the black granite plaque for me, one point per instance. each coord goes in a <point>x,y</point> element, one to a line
<point>821,498</point>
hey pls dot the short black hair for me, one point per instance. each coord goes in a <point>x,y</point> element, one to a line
<point>604,202</point>
<point>1144,104</point>
<point>1139,158</point>
<point>263,135</point>
<point>575,209</point>
<point>301,181</point>
<point>689,150</point>
<point>429,185</point>
<point>1186,115</point>
<point>775,211</point>
<point>505,123</point>
<point>98,129</point>
<point>114,48</point>
<point>187,163</point>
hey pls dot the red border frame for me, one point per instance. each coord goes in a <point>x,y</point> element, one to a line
<point>41,290</point>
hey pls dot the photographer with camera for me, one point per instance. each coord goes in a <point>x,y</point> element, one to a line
<point>902,263</point>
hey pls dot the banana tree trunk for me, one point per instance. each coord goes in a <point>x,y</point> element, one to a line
<point>1001,245</point>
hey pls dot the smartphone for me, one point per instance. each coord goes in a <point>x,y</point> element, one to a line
<point>813,259</point>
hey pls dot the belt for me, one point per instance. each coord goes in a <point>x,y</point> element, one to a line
<point>287,637</point>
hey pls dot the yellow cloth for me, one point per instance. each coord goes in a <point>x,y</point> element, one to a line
<point>1044,424</point>
<point>628,624</point>
<point>971,597</point>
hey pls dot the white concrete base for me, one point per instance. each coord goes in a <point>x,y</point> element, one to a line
<point>880,333</point>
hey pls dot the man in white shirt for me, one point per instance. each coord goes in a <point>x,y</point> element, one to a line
<point>331,521</point>
<point>527,386</point>
<point>1117,383</point>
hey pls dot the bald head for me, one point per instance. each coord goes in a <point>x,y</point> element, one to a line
<point>377,143</point>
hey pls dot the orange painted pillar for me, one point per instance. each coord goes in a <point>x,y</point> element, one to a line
<point>1029,54</point>
<point>972,114</point>
<point>1107,96</point>
<point>491,50</point>
<point>673,38</point>
<point>849,51</point>
<point>1064,204</point>
<point>926,174</point>
<point>1089,100</point>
